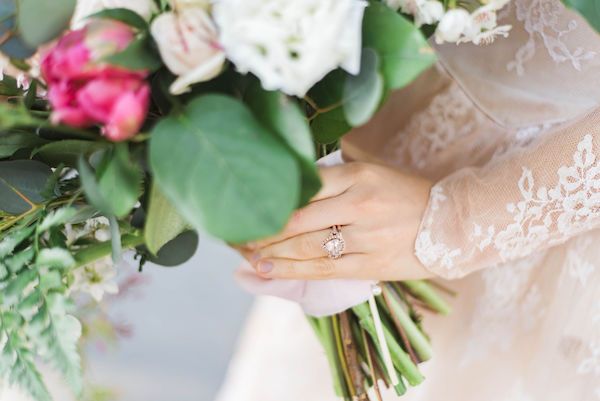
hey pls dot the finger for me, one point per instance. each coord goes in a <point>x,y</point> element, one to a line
<point>309,245</point>
<point>316,216</point>
<point>336,180</point>
<point>350,265</point>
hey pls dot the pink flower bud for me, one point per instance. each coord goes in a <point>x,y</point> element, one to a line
<point>84,90</point>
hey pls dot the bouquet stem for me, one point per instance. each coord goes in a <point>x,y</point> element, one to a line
<point>380,340</point>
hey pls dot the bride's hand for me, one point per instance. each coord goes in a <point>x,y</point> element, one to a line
<point>379,210</point>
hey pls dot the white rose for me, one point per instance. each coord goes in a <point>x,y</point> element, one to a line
<point>187,41</point>
<point>84,8</point>
<point>291,45</point>
<point>452,25</point>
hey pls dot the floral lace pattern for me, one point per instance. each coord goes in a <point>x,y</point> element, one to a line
<point>541,19</point>
<point>549,215</point>
<point>428,251</point>
<point>449,117</point>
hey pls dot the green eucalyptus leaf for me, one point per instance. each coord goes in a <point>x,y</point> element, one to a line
<point>124,15</point>
<point>177,251</point>
<point>13,47</point>
<point>363,92</point>
<point>22,183</point>
<point>163,222</point>
<point>137,56</point>
<point>9,87</point>
<point>282,116</point>
<point>121,181</point>
<point>10,142</point>
<point>16,115</point>
<point>40,21</point>
<point>330,123</point>
<point>91,188</point>
<point>589,9</point>
<point>230,176</point>
<point>401,46</point>
<point>115,189</point>
<point>67,151</point>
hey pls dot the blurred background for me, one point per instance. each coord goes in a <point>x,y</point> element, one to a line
<point>184,325</point>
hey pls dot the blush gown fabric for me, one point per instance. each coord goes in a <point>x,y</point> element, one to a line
<point>510,133</point>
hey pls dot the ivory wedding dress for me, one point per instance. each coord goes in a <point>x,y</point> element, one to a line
<point>511,134</point>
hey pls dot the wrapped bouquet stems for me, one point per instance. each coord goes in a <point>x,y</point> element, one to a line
<point>358,341</point>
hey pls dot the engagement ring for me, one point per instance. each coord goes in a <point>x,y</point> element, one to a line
<point>334,244</point>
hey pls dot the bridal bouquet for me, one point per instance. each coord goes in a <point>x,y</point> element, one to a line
<point>136,124</point>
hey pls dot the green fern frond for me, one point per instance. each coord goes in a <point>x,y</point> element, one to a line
<point>54,334</point>
<point>16,360</point>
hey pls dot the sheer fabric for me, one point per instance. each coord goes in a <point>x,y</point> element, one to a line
<point>510,133</point>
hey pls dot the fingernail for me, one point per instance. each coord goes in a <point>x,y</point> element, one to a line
<point>255,257</point>
<point>265,267</point>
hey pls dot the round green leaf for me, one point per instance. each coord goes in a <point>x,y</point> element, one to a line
<point>67,151</point>
<point>328,126</point>
<point>137,56</point>
<point>177,251</point>
<point>223,170</point>
<point>283,117</point>
<point>40,21</point>
<point>22,183</point>
<point>163,223</point>
<point>13,47</point>
<point>401,46</point>
<point>10,142</point>
<point>363,92</point>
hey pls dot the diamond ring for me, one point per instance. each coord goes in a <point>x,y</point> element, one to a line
<point>334,244</point>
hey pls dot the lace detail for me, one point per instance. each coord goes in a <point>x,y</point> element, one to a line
<point>542,20</point>
<point>510,305</point>
<point>549,216</point>
<point>428,251</point>
<point>449,117</point>
<point>524,137</point>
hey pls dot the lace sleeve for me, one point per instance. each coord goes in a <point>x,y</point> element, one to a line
<point>523,202</point>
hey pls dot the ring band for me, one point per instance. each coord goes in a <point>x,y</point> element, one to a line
<point>334,244</point>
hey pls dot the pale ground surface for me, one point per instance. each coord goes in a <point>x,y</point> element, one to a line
<point>185,325</point>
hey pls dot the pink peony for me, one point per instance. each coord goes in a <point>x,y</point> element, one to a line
<point>84,90</point>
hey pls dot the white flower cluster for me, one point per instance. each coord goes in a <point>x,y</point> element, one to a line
<point>456,25</point>
<point>291,45</point>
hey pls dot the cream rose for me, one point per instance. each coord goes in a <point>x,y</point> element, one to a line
<point>187,41</point>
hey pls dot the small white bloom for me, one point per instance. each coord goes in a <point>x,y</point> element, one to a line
<point>479,27</point>
<point>291,45</point>
<point>84,8</point>
<point>428,12</point>
<point>187,41</point>
<point>424,11</point>
<point>452,25</point>
<point>96,279</point>
<point>97,226</point>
